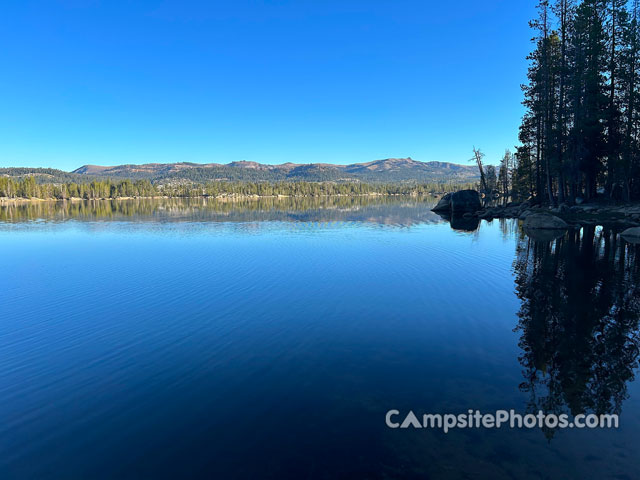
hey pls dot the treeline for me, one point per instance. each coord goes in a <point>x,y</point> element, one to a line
<point>27,187</point>
<point>580,134</point>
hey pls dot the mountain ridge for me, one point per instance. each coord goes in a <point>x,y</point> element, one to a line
<point>384,170</point>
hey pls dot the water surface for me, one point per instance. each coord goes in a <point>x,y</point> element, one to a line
<point>268,339</point>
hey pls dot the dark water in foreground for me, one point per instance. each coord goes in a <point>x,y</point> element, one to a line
<point>268,340</point>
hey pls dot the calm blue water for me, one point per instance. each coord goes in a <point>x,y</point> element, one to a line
<point>176,339</point>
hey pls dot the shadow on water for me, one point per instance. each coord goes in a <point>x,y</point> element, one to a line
<point>578,321</point>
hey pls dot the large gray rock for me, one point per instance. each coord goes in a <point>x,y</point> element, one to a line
<point>562,208</point>
<point>631,235</point>
<point>544,222</point>
<point>459,202</point>
<point>443,205</point>
<point>524,214</point>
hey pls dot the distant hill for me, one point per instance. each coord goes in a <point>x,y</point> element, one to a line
<point>389,170</point>
<point>45,175</point>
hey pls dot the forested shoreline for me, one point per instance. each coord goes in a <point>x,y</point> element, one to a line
<point>27,188</point>
<point>580,136</point>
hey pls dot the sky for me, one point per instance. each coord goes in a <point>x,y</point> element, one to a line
<point>337,81</point>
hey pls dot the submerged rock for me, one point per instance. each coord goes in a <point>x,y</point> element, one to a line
<point>543,235</point>
<point>459,202</point>
<point>544,222</point>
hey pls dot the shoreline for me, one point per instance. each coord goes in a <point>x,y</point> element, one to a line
<point>627,214</point>
<point>623,215</point>
<point>5,201</point>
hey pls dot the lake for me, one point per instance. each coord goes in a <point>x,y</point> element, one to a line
<point>268,339</point>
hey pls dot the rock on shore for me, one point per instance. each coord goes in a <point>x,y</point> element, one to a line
<point>459,202</point>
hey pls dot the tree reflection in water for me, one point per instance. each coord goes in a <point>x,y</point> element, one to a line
<point>388,210</point>
<point>578,320</point>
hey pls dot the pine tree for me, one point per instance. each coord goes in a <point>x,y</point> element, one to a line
<point>629,84</point>
<point>616,27</point>
<point>588,98</point>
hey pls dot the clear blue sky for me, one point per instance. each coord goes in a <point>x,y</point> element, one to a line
<point>339,81</point>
